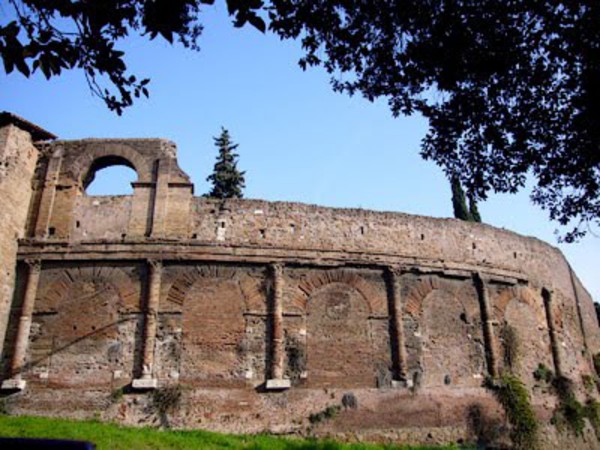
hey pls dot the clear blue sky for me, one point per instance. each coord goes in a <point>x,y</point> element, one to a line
<point>299,141</point>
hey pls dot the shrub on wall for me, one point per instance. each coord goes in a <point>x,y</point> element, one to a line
<point>569,411</point>
<point>514,398</point>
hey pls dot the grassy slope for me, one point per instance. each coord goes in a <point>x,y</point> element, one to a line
<point>111,436</point>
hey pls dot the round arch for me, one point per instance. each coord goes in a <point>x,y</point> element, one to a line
<point>253,292</point>
<point>376,302</point>
<point>106,155</point>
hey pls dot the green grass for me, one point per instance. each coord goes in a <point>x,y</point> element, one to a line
<point>115,437</point>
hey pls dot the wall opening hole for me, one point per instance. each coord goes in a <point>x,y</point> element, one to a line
<point>292,228</point>
<point>110,175</point>
<point>223,224</point>
<point>51,231</point>
<point>74,327</point>
<point>515,255</point>
<point>263,233</point>
<point>77,224</point>
<point>362,231</point>
<point>422,237</point>
<point>195,236</point>
<point>474,246</point>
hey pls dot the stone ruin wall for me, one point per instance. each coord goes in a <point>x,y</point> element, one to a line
<point>267,312</point>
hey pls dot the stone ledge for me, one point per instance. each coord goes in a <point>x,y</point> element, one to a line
<point>278,384</point>
<point>144,384</point>
<point>13,384</point>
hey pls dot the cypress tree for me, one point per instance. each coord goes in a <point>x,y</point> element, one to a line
<point>459,202</point>
<point>227,180</point>
<point>473,210</point>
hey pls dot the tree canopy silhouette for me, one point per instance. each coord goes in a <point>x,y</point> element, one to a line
<point>56,35</point>
<point>509,87</point>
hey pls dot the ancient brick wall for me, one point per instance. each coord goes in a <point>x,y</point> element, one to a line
<point>18,158</point>
<point>268,312</point>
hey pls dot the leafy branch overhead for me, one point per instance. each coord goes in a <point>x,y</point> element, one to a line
<point>510,88</point>
<point>56,35</point>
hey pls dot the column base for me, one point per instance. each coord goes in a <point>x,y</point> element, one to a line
<point>13,384</point>
<point>144,384</point>
<point>278,384</point>
<point>402,384</point>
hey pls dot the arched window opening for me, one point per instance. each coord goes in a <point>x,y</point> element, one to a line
<point>111,175</point>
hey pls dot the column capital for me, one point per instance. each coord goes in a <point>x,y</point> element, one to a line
<point>155,264</point>
<point>276,269</point>
<point>481,279</point>
<point>394,271</point>
<point>35,265</point>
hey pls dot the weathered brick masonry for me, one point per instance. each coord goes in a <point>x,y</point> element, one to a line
<point>264,312</point>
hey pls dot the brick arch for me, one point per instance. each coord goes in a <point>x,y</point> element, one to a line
<point>413,304</point>
<point>520,294</point>
<point>128,289</point>
<point>253,292</point>
<point>110,154</point>
<point>318,280</point>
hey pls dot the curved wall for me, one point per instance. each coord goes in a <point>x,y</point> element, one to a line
<point>269,312</point>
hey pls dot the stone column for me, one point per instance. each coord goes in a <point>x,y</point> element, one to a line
<point>277,338</point>
<point>399,358</point>
<point>547,295</point>
<point>24,327</point>
<point>154,280</point>
<point>488,325</point>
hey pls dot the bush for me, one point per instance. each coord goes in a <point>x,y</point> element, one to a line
<point>543,373</point>
<point>514,398</point>
<point>166,399</point>
<point>589,383</point>
<point>328,413</point>
<point>349,400</point>
<point>570,411</point>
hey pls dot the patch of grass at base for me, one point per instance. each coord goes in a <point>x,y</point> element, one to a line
<point>115,437</point>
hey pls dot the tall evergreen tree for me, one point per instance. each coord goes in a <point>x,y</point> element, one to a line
<point>227,180</point>
<point>473,210</point>
<point>459,202</point>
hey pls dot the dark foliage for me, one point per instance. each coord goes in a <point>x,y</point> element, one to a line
<point>569,410</point>
<point>56,35</point>
<point>459,203</point>
<point>509,87</point>
<point>543,373</point>
<point>512,394</point>
<point>227,180</point>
